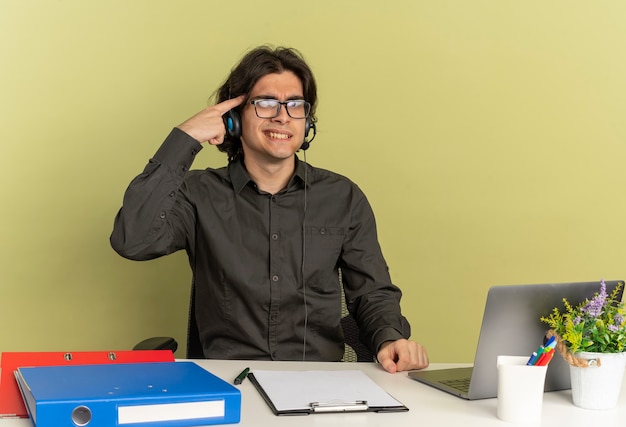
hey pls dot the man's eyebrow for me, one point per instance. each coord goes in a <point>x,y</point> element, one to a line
<point>290,98</point>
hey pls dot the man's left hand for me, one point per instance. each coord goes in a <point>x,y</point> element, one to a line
<point>402,355</point>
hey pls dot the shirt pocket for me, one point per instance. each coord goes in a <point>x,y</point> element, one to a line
<point>323,246</point>
<point>326,237</point>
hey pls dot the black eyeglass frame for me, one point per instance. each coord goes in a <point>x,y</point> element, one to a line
<point>279,104</point>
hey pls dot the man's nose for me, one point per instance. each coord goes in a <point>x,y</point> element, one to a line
<point>282,116</point>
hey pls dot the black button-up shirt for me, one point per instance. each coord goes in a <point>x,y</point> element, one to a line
<point>265,266</point>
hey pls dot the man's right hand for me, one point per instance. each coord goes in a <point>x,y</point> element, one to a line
<point>208,125</point>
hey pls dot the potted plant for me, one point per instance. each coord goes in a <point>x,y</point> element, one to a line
<point>591,337</point>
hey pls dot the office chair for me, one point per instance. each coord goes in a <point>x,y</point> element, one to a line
<point>355,350</point>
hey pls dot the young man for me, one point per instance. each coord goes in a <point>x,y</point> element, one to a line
<point>267,234</point>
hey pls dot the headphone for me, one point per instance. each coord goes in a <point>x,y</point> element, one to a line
<point>232,120</point>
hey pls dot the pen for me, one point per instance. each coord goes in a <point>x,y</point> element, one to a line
<point>533,359</point>
<point>545,359</point>
<point>540,352</point>
<point>540,360</point>
<point>241,376</point>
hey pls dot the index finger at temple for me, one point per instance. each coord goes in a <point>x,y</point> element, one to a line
<point>225,106</point>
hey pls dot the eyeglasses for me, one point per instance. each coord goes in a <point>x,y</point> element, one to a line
<point>270,108</point>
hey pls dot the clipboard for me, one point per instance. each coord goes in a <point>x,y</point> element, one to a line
<point>11,402</point>
<point>313,392</point>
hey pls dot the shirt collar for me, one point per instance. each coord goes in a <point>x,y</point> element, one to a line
<point>238,175</point>
<point>240,178</point>
<point>302,169</point>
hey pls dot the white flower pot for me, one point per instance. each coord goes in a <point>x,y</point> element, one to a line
<point>598,387</point>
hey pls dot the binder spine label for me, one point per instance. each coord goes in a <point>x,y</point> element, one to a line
<point>171,412</point>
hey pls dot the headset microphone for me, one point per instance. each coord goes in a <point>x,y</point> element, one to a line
<point>308,127</point>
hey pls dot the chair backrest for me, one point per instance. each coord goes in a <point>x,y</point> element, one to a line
<point>194,346</point>
<point>355,350</point>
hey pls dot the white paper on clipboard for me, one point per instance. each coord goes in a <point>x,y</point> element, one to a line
<point>294,391</point>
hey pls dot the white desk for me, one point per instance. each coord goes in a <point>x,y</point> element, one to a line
<point>427,406</point>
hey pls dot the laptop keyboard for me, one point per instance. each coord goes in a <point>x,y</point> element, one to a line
<point>461,384</point>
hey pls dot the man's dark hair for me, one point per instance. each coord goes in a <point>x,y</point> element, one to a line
<point>253,66</point>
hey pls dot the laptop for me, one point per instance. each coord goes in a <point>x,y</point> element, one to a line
<point>511,326</point>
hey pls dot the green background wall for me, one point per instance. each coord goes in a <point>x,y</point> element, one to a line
<point>489,136</point>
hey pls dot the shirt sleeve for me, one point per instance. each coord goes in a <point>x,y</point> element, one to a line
<point>371,297</point>
<point>155,216</point>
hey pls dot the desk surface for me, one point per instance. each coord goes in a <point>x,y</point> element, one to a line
<point>427,406</point>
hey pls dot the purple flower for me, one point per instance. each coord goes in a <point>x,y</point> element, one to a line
<point>613,328</point>
<point>595,306</point>
<point>577,320</point>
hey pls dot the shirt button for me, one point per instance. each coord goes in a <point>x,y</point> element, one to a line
<point>322,231</point>
<point>162,215</point>
<point>273,355</point>
<point>274,199</point>
<point>275,278</point>
<point>172,194</point>
<point>274,236</point>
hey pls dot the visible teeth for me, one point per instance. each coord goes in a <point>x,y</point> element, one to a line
<point>278,135</point>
